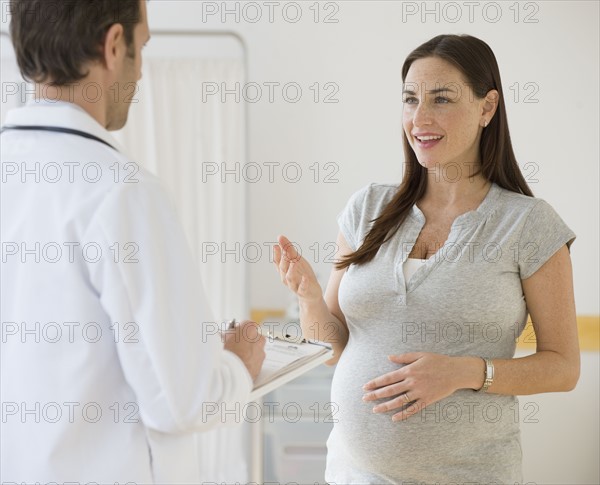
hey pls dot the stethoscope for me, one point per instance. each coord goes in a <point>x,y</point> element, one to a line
<point>56,129</point>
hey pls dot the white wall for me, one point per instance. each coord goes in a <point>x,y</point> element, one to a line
<point>362,54</point>
<point>361,134</point>
<point>560,431</point>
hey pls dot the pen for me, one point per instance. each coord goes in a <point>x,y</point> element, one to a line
<point>261,330</point>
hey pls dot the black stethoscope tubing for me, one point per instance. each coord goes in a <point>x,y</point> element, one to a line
<point>56,129</point>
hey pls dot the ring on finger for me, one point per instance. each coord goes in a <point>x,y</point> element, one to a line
<point>406,398</point>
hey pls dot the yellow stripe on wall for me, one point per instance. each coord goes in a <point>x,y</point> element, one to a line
<point>263,314</point>
<point>588,327</point>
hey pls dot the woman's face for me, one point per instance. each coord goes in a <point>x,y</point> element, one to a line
<point>451,111</point>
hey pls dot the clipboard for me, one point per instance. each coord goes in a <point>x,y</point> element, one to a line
<point>287,359</point>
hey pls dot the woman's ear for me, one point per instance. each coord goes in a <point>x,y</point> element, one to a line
<point>490,103</point>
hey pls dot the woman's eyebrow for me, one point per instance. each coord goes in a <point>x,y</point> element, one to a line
<point>433,91</point>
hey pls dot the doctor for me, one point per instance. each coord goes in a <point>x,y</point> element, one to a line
<point>110,361</point>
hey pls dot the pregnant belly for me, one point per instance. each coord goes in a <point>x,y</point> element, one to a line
<point>444,434</point>
<point>369,440</point>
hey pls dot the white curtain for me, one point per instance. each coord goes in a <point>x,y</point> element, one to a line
<point>183,139</point>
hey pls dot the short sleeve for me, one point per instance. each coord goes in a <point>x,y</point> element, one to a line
<point>544,233</point>
<point>349,219</point>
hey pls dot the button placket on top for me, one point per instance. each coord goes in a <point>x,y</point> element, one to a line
<point>409,233</point>
<point>407,236</point>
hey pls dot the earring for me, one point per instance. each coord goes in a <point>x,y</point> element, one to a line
<point>485,124</point>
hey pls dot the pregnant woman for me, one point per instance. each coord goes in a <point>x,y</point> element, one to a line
<point>433,283</point>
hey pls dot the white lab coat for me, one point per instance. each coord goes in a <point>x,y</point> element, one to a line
<point>110,356</point>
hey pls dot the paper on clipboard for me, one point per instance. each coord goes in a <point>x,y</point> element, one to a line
<point>286,360</point>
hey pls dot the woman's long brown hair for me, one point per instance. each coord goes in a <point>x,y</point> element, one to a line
<point>475,59</point>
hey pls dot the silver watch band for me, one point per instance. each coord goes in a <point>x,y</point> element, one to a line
<point>489,375</point>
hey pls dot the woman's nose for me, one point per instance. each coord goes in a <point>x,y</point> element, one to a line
<point>421,114</point>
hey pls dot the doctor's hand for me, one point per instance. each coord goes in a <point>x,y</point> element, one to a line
<point>295,272</point>
<point>246,341</point>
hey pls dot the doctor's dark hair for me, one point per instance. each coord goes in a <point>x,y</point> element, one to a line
<point>477,63</point>
<point>54,39</point>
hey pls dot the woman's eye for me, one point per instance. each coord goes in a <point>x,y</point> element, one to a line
<point>439,99</point>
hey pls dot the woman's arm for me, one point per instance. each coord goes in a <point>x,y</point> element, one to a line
<point>555,365</point>
<point>320,317</point>
<point>428,378</point>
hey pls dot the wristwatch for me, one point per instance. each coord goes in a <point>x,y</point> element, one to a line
<point>489,375</point>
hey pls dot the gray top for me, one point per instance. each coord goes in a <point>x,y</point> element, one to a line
<point>467,299</point>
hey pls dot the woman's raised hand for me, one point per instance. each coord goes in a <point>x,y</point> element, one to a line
<point>295,272</point>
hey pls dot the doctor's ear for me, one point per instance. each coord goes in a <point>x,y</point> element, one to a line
<point>114,48</point>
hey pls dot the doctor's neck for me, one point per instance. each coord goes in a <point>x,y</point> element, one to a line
<point>92,93</point>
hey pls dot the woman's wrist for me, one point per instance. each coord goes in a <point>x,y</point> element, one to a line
<point>314,317</point>
<point>310,303</point>
<point>311,309</point>
<point>471,372</point>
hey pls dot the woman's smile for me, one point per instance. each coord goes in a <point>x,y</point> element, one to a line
<point>426,142</point>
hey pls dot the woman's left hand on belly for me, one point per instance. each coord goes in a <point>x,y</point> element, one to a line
<point>423,379</point>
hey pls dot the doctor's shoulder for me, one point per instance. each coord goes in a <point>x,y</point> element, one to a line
<point>134,191</point>
<point>112,170</point>
<point>128,179</point>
